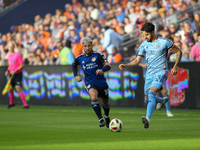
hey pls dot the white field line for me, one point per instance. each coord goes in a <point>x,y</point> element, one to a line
<point>118,112</point>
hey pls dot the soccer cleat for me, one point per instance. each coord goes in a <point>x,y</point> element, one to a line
<point>107,118</point>
<point>169,114</point>
<point>145,122</point>
<point>101,122</point>
<point>7,107</point>
<point>160,105</point>
<point>25,107</point>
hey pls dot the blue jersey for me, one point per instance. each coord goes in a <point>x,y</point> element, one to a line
<point>156,54</point>
<point>90,64</point>
<point>144,61</point>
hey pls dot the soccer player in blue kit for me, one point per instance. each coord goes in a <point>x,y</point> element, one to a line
<point>163,90</point>
<point>156,50</point>
<point>94,65</point>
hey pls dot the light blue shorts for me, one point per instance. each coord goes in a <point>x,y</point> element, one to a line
<point>155,80</point>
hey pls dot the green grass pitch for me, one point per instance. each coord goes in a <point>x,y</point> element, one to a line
<point>76,128</point>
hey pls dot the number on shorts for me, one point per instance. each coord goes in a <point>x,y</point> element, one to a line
<point>106,92</point>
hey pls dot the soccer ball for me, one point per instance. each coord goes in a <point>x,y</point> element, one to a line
<point>116,125</point>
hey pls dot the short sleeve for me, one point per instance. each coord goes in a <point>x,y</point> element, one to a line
<point>102,59</point>
<point>20,59</point>
<point>137,51</point>
<point>142,51</point>
<point>76,62</point>
<point>169,45</point>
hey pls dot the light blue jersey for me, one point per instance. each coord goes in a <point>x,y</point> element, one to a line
<point>144,61</point>
<point>156,54</point>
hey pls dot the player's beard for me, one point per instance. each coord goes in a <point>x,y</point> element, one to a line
<point>88,52</point>
<point>151,38</point>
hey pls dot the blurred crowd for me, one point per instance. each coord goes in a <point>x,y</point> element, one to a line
<point>5,3</point>
<point>50,39</point>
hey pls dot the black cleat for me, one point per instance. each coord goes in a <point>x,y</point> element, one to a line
<point>145,122</point>
<point>101,123</point>
<point>107,118</point>
<point>7,107</point>
<point>25,107</point>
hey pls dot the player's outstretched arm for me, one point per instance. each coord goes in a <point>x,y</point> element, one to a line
<point>178,58</point>
<point>74,69</point>
<point>143,65</point>
<point>135,62</point>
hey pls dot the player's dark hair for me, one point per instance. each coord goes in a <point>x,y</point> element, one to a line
<point>148,27</point>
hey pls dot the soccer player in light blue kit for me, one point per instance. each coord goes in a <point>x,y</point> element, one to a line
<point>156,50</point>
<point>163,91</point>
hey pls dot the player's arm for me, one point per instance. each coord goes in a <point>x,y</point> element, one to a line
<point>143,65</point>
<point>7,71</point>
<point>105,64</point>
<point>106,67</point>
<point>178,58</point>
<point>75,71</point>
<point>135,62</point>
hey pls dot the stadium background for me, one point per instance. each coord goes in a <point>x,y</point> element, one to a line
<point>44,84</point>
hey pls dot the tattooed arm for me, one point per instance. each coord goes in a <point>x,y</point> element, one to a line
<point>178,58</point>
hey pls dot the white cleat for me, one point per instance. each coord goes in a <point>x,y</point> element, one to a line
<point>160,105</point>
<point>169,114</point>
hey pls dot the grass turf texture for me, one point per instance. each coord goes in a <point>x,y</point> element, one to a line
<point>71,128</point>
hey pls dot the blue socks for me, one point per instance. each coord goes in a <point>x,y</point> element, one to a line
<point>159,99</point>
<point>151,103</point>
<point>167,105</point>
<point>97,108</point>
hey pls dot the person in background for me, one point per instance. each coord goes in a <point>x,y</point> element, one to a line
<point>195,51</point>
<point>66,54</point>
<point>15,68</point>
<point>116,57</point>
<point>111,39</point>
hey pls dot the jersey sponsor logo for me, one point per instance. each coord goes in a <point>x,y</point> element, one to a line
<point>84,67</point>
<point>18,82</point>
<point>157,46</point>
<point>93,59</point>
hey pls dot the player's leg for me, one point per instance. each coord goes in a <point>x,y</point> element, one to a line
<point>155,82</point>
<point>148,81</point>
<point>106,107</point>
<point>11,97</point>
<point>18,87</point>
<point>167,105</point>
<point>95,104</point>
<point>11,94</point>
<point>103,94</point>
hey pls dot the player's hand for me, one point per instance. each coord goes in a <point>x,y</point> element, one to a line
<point>99,72</point>
<point>145,66</point>
<point>78,79</point>
<point>6,73</point>
<point>13,73</point>
<point>174,71</point>
<point>121,66</point>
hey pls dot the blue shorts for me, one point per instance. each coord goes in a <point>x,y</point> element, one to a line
<point>102,91</point>
<point>155,80</point>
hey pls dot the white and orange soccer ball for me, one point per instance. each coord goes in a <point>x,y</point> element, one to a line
<point>116,125</point>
